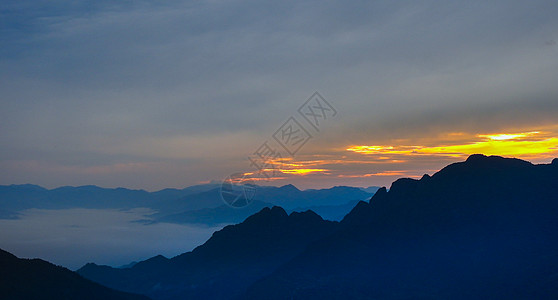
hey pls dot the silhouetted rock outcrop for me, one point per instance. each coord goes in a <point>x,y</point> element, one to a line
<point>481,229</point>
<point>36,279</point>
<point>484,228</point>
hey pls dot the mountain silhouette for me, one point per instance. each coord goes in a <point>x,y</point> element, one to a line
<point>222,268</point>
<point>484,228</point>
<point>22,279</point>
<point>480,229</point>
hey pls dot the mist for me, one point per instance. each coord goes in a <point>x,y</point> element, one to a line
<point>74,237</point>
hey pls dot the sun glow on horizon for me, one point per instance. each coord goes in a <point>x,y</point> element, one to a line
<point>507,136</point>
<point>383,162</point>
<point>527,144</point>
<point>301,171</point>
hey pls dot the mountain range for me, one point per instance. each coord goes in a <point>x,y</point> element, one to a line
<point>484,228</point>
<point>200,204</point>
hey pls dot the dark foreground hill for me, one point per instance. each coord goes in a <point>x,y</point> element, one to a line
<point>222,268</point>
<point>37,279</point>
<point>486,228</point>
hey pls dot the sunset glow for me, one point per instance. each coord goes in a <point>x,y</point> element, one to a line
<point>301,171</point>
<point>413,157</point>
<point>507,136</point>
<point>506,144</point>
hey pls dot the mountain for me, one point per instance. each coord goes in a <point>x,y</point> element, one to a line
<point>484,228</point>
<point>222,214</point>
<point>37,279</point>
<point>200,204</point>
<point>223,267</point>
<point>480,229</point>
<point>371,189</point>
<point>19,197</point>
<point>330,212</point>
<point>289,197</point>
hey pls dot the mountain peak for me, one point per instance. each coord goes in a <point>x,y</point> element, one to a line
<point>493,159</point>
<point>308,215</point>
<point>476,157</point>
<point>289,187</point>
<point>26,186</point>
<point>278,211</point>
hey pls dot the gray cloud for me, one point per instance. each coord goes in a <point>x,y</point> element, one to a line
<point>202,84</point>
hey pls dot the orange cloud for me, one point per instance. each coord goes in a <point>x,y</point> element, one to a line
<point>527,144</point>
<point>301,171</point>
<point>381,163</point>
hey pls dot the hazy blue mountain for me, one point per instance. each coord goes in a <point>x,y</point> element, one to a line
<point>19,197</point>
<point>222,214</point>
<point>371,189</point>
<point>290,197</point>
<point>222,268</point>
<point>332,204</point>
<point>195,204</point>
<point>481,229</point>
<point>170,193</point>
<point>36,279</point>
<point>330,212</point>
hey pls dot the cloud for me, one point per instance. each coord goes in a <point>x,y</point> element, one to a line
<point>102,84</point>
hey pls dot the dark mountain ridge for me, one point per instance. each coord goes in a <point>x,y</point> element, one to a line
<point>484,228</point>
<point>481,229</point>
<point>224,266</point>
<point>37,279</point>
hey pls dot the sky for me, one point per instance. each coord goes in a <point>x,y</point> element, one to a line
<point>152,94</point>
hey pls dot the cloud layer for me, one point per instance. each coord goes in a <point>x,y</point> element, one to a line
<point>149,95</point>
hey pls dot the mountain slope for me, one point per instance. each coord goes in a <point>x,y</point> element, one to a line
<point>481,229</point>
<point>222,268</point>
<point>38,279</point>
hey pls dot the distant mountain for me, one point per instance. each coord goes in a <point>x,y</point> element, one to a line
<point>222,214</point>
<point>485,228</point>
<point>37,279</point>
<point>330,212</point>
<point>289,197</point>
<point>20,197</point>
<point>371,189</point>
<point>222,268</point>
<point>226,215</point>
<point>196,204</point>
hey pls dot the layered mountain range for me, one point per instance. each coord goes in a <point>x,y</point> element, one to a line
<point>480,229</point>
<point>198,204</point>
<point>485,228</point>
